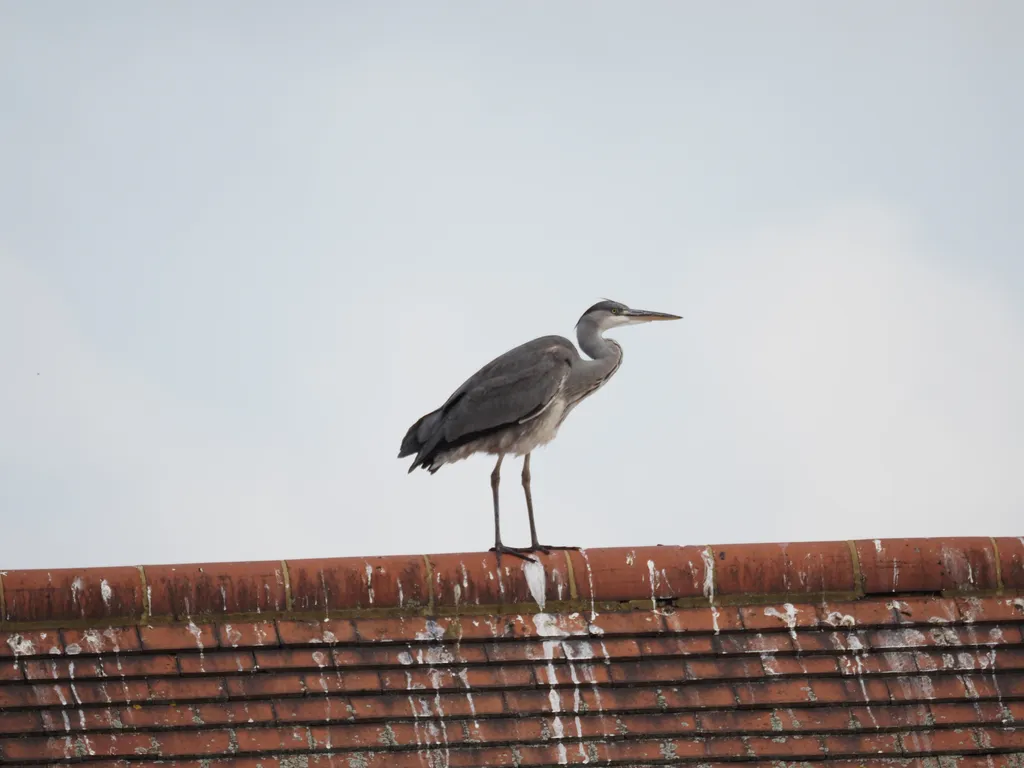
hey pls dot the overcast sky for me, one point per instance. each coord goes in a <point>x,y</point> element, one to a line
<point>244,245</point>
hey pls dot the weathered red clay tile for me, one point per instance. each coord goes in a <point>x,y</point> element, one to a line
<point>754,643</point>
<point>109,691</point>
<point>843,745</point>
<point>201,742</point>
<point>177,637</point>
<point>101,640</point>
<point>892,662</point>
<point>601,648</point>
<point>71,594</point>
<point>622,574</point>
<point>88,719</point>
<point>590,672</point>
<point>16,723</point>
<point>1011,561</point>
<point>665,646</point>
<point>476,579</point>
<point>791,747</point>
<point>61,668</point>
<point>316,709</point>
<point>786,617</point>
<point>949,741</point>
<point>41,642</point>
<point>247,634</point>
<point>295,658</point>
<point>817,719</point>
<point>896,611</point>
<point>889,717</point>
<point>735,721</point>
<point>38,695</point>
<point>185,689</point>
<point>217,662</point>
<point>609,624</point>
<point>649,751</point>
<point>160,715</point>
<point>648,724</point>
<point>266,686</point>
<point>139,665</point>
<point>718,618</point>
<point>803,568</point>
<point>336,681</point>
<point>272,739</point>
<point>1001,739</point>
<point>724,669</point>
<point>322,586</point>
<point>967,761</point>
<point>408,654</point>
<point>773,692</point>
<point>904,688</point>
<point>211,589</point>
<point>989,609</point>
<point>12,672</point>
<point>36,749</point>
<point>402,629</point>
<point>808,666</point>
<point>982,685</point>
<point>933,611</point>
<point>327,631</point>
<point>927,565</point>
<point>522,626</point>
<point>856,613</point>
<point>834,691</point>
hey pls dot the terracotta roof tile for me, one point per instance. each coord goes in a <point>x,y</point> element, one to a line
<point>865,653</point>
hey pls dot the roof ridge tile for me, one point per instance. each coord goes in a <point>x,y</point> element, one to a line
<point>616,579</point>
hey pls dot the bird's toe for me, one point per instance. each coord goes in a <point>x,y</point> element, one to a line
<point>514,551</point>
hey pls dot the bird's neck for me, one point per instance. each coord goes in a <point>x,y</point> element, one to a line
<point>605,353</point>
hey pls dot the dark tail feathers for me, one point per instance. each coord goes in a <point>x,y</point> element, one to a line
<point>419,437</point>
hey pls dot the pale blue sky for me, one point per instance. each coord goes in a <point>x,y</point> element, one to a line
<point>243,245</point>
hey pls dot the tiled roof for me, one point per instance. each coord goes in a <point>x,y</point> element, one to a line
<point>862,653</point>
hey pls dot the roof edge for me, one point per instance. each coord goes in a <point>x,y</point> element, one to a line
<point>617,578</point>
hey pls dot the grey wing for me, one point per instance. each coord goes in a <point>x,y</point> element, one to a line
<point>509,397</point>
<point>514,360</point>
<point>510,389</point>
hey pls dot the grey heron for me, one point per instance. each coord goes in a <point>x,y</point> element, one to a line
<point>517,402</point>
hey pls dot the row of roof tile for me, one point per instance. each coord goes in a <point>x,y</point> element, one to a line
<point>929,680</point>
<point>895,615</point>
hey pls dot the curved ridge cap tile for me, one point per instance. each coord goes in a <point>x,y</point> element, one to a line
<point>346,583</point>
<point>799,568</point>
<point>1011,561</point>
<point>201,589</point>
<point>622,574</point>
<point>72,594</point>
<point>470,579</point>
<point>966,564</point>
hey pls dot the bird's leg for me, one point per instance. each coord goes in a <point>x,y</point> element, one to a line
<point>498,547</point>
<point>495,480</point>
<point>529,503</point>
<point>535,546</point>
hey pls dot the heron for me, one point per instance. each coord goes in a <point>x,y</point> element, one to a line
<point>517,402</point>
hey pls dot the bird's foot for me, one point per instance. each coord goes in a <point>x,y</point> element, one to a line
<point>514,551</point>
<point>544,549</point>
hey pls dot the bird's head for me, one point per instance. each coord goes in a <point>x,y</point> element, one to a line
<point>611,314</point>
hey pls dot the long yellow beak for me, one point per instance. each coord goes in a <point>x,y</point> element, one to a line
<point>645,315</point>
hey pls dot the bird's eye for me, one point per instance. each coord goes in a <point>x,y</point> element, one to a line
<point>616,311</point>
